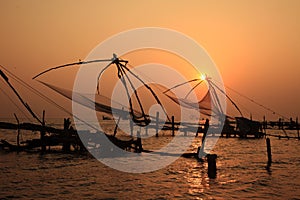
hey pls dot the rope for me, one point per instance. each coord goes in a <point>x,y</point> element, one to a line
<point>144,76</point>
<point>12,101</point>
<point>38,93</point>
<point>255,102</point>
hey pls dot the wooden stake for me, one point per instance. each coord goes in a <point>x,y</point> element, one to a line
<point>269,151</point>
<point>157,123</point>
<point>139,147</point>
<point>279,123</point>
<point>146,130</point>
<point>212,165</point>
<point>264,124</point>
<point>117,124</point>
<point>131,127</point>
<point>43,146</point>
<point>18,133</point>
<point>297,127</point>
<point>173,126</point>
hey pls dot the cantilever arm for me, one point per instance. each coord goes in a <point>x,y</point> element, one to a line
<point>149,88</point>
<point>19,97</point>
<point>193,89</point>
<point>196,79</point>
<point>114,60</point>
<point>233,103</point>
<point>71,64</point>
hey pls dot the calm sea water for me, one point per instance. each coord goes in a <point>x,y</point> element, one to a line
<point>241,168</point>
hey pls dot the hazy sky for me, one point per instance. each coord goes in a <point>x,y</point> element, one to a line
<point>254,43</point>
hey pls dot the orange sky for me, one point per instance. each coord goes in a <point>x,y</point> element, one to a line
<point>255,44</point>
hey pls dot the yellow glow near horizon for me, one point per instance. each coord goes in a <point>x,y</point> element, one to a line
<point>202,77</point>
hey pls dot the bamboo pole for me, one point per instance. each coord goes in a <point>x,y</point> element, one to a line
<point>146,130</point>
<point>269,151</point>
<point>43,146</point>
<point>131,127</point>
<point>117,125</point>
<point>18,133</point>
<point>157,123</point>
<point>264,124</point>
<point>173,126</point>
<point>139,147</point>
<point>297,127</point>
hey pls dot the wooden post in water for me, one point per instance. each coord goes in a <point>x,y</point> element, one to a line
<point>139,147</point>
<point>157,123</point>
<point>131,127</point>
<point>43,145</point>
<point>269,151</point>
<point>212,165</point>
<point>264,124</point>
<point>173,126</point>
<point>18,134</point>
<point>67,135</point>
<point>146,130</point>
<point>279,123</point>
<point>297,127</point>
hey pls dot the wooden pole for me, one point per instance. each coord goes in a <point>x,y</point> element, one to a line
<point>67,135</point>
<point>43,146</point>
<point>18,133</point>
<point>264,124</point>
<point>146,130</point>
<point>157,123</point>
<point>269,151</point>
<point>173,126</point>
<point>297,127</point>
<point>212,165</point>
<point>131,127</point>
<point>117,124</point>
<point>279,123</point>
<point>139,147</point>
<point>201,151</point>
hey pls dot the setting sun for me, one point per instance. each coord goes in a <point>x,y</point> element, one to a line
<point>203,77</point>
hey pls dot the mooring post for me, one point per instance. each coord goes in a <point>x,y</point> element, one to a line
<point>279,123</point>
<point>157,123</point>
<point>269,151</point>
<point>173,126</point>
<point>297,127</point>
<point>66,143</point>
<point>131,127</point>
<point>18,133</point>
<point>43,145</point>
<point>146,130</point>
<point>201,152</point>
<point>139,147</point>
<point>264,124</point>
<point>212,165</point>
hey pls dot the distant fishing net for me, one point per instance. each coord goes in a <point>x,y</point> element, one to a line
<point>204,105</point>
<point>207,105</point>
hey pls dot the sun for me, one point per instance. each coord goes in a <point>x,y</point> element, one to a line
<point>202,77</point>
